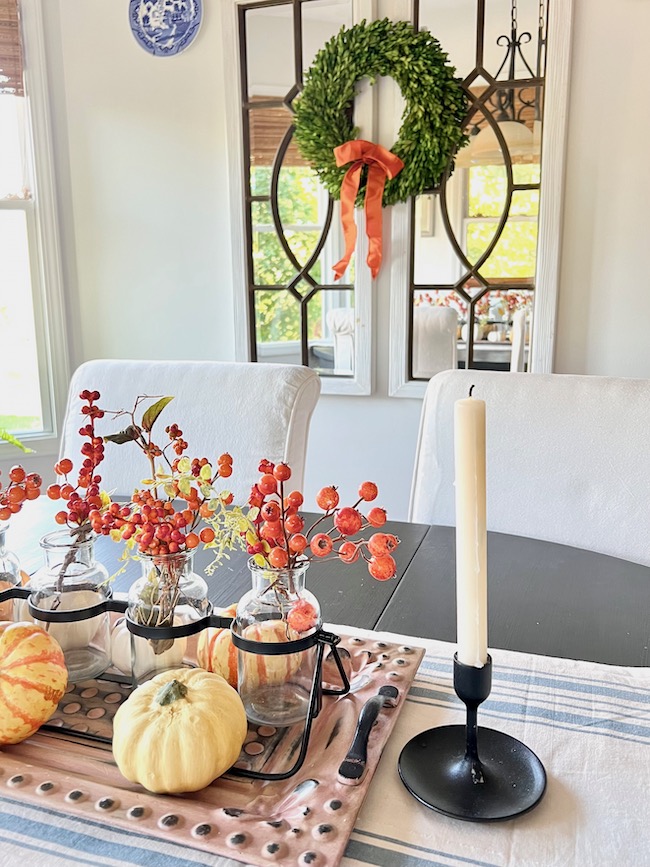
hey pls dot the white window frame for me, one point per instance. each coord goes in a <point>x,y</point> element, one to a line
<point>361,382</point>
<point>549,231</point>
<point>43,238</point>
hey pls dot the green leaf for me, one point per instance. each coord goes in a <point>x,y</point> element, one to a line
<point>184,486</point>
<point>150,416</point>
<point>14,441</point>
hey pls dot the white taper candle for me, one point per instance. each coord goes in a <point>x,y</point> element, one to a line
<point>471,531</point>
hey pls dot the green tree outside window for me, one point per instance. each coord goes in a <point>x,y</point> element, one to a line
<point>278,312</point>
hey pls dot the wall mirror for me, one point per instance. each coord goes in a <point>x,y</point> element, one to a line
<point>295,312</point>
<point>473,268</point>
<point>479,282</point>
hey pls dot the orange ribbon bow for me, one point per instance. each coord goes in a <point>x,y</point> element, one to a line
<point>381,164</point>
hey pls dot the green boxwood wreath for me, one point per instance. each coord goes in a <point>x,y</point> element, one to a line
<point>431,130</point>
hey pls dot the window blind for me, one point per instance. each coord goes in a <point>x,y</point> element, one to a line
<point>11,53</point>
<point>267,129</point>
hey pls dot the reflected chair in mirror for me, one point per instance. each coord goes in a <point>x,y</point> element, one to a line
<point>518,355</point>
<point>567,458</point>
<point>435,345</point>
<point>251,410</point>
<point>340,321</point>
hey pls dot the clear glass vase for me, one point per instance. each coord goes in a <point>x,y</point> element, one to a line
<point>72,580</point>
<point>10,574</point>
<point>275,689</point>
<point>169,593</point>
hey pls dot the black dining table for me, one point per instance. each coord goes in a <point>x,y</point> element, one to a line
<point>543,598</point>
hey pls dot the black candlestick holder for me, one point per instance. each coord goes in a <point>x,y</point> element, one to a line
<point>442,768</point>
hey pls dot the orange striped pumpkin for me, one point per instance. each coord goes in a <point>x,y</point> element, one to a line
<point>259,669</point>
<point>215,651</point>
<point>33,679</point>
<point>7,608</point>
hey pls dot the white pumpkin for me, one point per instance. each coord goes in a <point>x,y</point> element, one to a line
<point>147,659</point>
<point>70,636</point>
<point>179,731</point>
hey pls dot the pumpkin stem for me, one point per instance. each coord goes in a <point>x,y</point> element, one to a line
<point>171,692</point>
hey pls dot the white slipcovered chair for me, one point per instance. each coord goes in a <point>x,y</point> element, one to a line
<point>435,345</point>
<point>518,354</point>
<point>253,411</point>
<point>567,458</point>
<point>340,321</point>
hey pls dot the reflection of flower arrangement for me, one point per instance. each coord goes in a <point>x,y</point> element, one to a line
<point>443,298</point>
<point>278,539</point>
<point>499,302</point>
<point>504,303</point>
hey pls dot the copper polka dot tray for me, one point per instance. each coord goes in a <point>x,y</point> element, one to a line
<point>304,820</point>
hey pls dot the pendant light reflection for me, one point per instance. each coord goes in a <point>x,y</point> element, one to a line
<point>517,113</point>
<point>484,149</point>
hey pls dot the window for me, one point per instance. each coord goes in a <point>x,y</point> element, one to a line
<point>30,333</point>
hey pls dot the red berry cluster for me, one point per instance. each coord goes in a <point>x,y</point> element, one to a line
<point>22,486</point>
<point>154,524</point>
<point>176,436</point>
<point>84,497</point>
<point>279,534</point>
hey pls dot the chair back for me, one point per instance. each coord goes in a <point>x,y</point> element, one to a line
<point>518,355</point>
<point>340,321</point>
<point>567,458</point>
<point>253,411</point>
<point>435,345</point>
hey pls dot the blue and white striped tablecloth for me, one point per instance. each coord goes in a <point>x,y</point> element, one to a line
<point>589,724</point>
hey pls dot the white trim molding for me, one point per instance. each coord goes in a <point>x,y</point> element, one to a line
<point>554,135</point>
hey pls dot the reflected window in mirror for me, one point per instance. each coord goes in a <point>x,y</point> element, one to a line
<point>296,312</point>
<point>473,240</point>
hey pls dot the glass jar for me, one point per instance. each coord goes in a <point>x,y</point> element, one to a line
<point>72,580</point>
<point>169,593</point>
<point>10,575</point>
<point>275,689</point>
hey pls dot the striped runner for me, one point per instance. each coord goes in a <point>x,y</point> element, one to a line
<point>589,724</point>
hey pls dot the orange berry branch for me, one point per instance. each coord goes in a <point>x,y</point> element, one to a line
<point>178,507</point>
<point>278,539</point>
<point>22,486</point>
<point>84,497</point>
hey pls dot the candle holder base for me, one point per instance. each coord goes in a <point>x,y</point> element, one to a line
<point>434,768</point>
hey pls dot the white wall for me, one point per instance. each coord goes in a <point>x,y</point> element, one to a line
<point>604,312</point>
<point>144,204</point>
<point>145,215</point>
